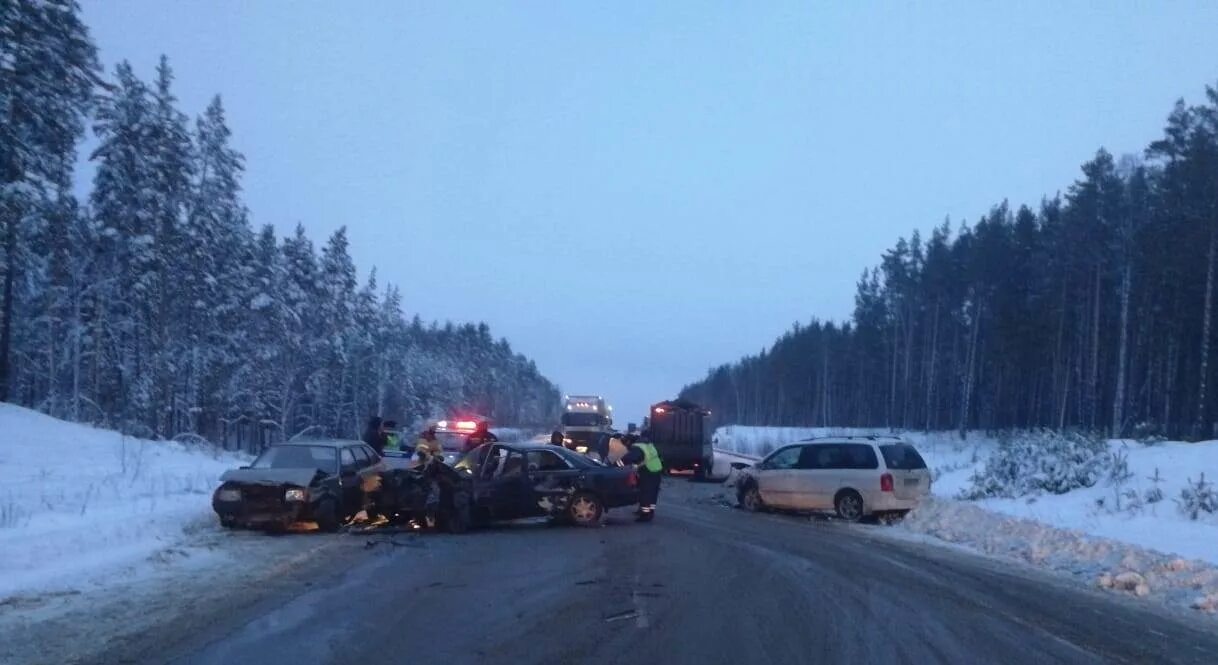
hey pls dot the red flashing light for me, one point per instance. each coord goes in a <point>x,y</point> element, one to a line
<point>886,482</point>
<point>467,425</point>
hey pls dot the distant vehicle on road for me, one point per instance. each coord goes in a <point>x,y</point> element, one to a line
<point>681,432</point>
<point>326,482</point>
<point>852,476</point>
<point>507,481</point>
<point>584,419</point>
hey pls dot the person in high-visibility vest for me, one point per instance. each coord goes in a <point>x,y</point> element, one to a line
<point>650,467</point>
<point>393,440</point>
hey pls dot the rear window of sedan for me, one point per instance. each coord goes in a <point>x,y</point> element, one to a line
<point>902,457</point>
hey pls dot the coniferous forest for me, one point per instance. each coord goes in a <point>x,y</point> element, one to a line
<point>1091,310</point>
<point>153,305</point>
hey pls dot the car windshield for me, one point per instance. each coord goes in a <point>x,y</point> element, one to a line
<point>322,458</point>
<point>902,456</point>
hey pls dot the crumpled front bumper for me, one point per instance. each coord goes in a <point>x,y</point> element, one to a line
<point>261,508</point>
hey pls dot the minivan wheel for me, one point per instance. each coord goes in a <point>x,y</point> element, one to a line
<point>750,498</point>
<point>849,505</point>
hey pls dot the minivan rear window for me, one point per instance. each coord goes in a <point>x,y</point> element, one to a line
<point>902,456</point>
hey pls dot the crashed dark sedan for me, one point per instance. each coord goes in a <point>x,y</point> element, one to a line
<point>507,481</point>
<point>326,482</point>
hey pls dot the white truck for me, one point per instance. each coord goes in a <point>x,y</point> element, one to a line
<point>584,419</point>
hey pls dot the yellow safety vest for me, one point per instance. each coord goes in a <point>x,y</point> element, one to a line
<point>651,457</point>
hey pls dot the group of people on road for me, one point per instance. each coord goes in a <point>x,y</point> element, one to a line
<point>384,435</point>
<point>627,449</point>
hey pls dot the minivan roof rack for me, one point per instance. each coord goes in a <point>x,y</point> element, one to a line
<point>858,437</point>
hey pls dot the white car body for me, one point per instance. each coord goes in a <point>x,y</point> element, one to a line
<point>887,473</point>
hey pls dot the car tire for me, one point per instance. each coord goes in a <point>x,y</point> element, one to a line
<point>585,509</point>
<point>749,498</point>
<point>849,505</point>
<point>326,516</point>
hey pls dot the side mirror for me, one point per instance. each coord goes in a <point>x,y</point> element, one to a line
<point>740,466</point>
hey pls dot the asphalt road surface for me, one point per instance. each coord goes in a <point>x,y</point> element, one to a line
<point>705,583</point>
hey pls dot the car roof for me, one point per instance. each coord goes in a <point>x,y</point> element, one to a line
<point>325,443</point>
<point>529,445</point>
<point>526,447</point>
<point>875,438</point>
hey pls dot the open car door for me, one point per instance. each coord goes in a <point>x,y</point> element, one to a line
<point>503,489</point>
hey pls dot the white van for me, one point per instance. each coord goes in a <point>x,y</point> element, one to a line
<point>852,476</point>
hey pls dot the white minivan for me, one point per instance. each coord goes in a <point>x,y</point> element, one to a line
<point>852,476</point>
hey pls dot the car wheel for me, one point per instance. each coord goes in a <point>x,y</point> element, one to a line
<point>749,498</point>
<point>849,505</point>
<point>585,509</point>
<point>326,515</point>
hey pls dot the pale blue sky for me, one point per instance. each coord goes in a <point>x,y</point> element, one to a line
<point>634,192</point>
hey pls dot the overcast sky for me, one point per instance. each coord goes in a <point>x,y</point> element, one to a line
<point>634,192</point>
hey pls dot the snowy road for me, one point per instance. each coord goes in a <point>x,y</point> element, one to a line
<point>704,584</point>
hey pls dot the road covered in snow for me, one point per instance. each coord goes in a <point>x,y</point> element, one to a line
<point>705,583</point>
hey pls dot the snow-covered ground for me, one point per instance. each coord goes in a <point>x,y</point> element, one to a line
<point>1095,533</point>
<point>81,507</point>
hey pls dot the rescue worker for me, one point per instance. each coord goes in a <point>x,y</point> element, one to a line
<point>557,439</point>
<point>646,459</point>
<point>393,439</point>
<point>599,450</point>
<point>427,448</point>
<point>617,449</point>
<point>374,434</point>
<point>481,434</point>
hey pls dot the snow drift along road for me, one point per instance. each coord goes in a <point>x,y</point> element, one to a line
<point>80,506</point>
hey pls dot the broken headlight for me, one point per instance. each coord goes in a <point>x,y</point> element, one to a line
<point>228,495</point>
<point>296,494</point>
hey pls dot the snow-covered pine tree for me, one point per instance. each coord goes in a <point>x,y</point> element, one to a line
<point>48,68</point>
<point>223,247</point>
<point>175,341</point>
<point>125,209</point>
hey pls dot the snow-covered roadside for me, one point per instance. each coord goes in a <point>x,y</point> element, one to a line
<point>1093,560</point>
<point>1109,534</point>
<point>82,507</point>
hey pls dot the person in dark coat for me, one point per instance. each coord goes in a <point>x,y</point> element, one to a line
<point>375,435</point>
<point>556,439</point>
<point>482,434</point>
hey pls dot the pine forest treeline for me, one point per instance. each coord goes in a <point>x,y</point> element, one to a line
<point>1093,311</point>
<point>153,306</point>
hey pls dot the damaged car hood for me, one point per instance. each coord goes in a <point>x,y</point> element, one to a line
<point>300,477</point>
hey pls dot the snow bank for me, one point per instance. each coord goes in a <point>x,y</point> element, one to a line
<point>1103,562</point>
<point>79,505</point>
<point>1121,511</point>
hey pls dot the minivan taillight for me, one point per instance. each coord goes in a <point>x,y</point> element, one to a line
<point>886,482</point>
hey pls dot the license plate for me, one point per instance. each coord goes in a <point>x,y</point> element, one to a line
<point>911,482</point>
